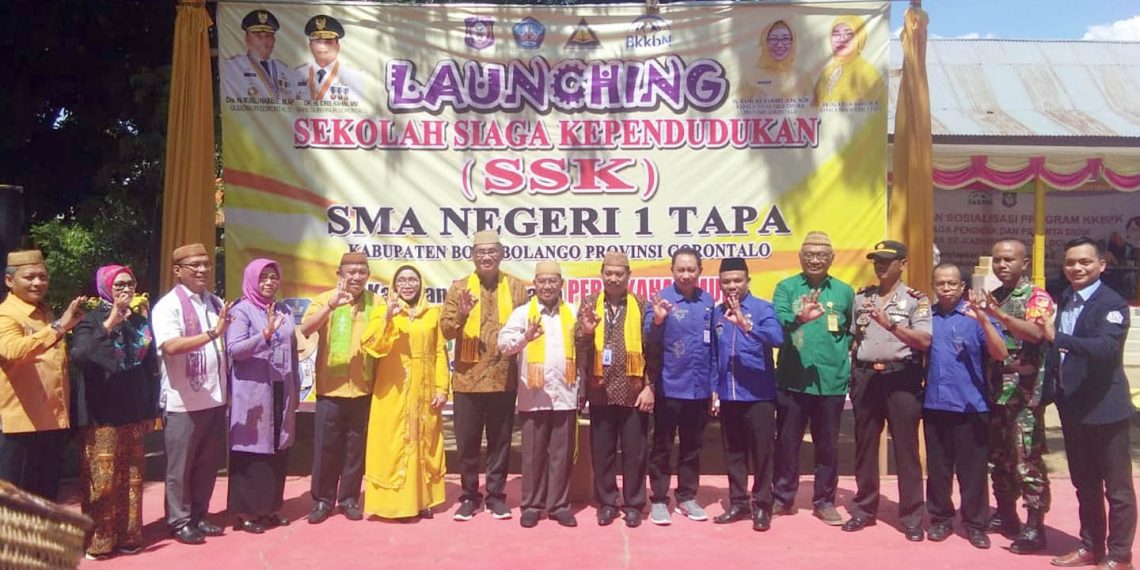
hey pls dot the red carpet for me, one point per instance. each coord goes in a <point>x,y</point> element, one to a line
<point>799,541</point>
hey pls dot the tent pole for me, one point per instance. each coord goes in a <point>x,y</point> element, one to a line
<point>1039,232</point>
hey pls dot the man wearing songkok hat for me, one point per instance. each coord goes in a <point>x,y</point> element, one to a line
<point>541,333</point>
<point>814,309</point>
<point>255,73</point>
<point>891,332</point>
<point>326,78</point>
<point>612,359</point>
<point>344,388</point>
<point>189,325</point>
<point>745,330</point>
<point>34,386</point>
<point>474,311</point>
<point>677,331</point>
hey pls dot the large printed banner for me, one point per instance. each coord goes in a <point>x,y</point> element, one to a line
<point>968,222</point>
<point>401,130</point>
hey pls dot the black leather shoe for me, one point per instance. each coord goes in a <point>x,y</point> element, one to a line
<point>606,515</point>
<point>189,535</point>
<point>783,510</point>
<point>529,518</point>
<point>273,521</point>
<point>565,518</point>
<point>352,511</point>
<point>632,518</point>
<point>761,520</point>
<point>940,531</point>
<point>733,514</point>
<point>1005,522</point>
<point>857,523</point>
<point>249,526</point>
<point>978,539</point>
<point>209,529</point>
<point>426,514</point>
<point>914,534</point>
<point>320,513</point>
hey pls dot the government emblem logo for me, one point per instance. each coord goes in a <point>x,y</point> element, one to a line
<point>1009,199</point>
<point>583,38</point>
<point>529,33</point>
<point>649,31</point>
<point>480,32</point>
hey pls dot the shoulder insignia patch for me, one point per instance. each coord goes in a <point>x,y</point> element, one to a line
<point>1115,318</point>
<point>915,293</point>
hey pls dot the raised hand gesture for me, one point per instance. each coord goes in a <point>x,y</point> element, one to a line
<point>876,312</point>
<point>466,302</point>
<point>533,329</point>
<point>224,319</point>
<point>73,314</point>
<point>340,296</point>
<point>394,307</point>
<point>733,314</point>
<point>273,320</point>
<point>810,307</point>
<point>661,309</point>
<point>589,319</point>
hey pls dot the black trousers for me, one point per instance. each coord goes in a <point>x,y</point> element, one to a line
<point>674,418</point>
<point>890,398</point>
<point>608,426</point>
<point>195,451</point>
<point>341,426</point>
<point>748,430</point>
<point>547,458</point>
<point>957,444</point>
<point>793,412</point>
<point>475,412</point>
<point>31,461</point>
<point>1100,466</point>
<point>257,480</point>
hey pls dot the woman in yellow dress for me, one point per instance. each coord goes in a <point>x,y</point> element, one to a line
<point>848,77</point>
<point>778,78</point>
<point>404,462</point>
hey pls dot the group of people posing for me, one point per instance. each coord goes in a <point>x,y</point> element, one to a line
<point>977,367</point>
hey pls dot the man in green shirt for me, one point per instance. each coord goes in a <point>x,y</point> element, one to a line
<point>812,375</point>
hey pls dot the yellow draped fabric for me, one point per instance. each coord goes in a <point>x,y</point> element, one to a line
<point>911,199</point>
<point>188,183</point>
<point>536,349</point>
<point>404,460</point>
<point>469,342</point>
<point>631,325</point>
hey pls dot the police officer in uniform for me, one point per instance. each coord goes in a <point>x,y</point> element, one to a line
<point>892,332</point>
<point>255,73</point>
<point>326,78</point>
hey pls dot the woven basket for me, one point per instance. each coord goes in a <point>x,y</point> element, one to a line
<point>36,533</point>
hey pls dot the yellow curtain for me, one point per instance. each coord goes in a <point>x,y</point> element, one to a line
<point>188,184</point>
<point>911,210</point>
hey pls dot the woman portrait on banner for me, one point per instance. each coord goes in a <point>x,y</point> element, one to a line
<point>115,403</point>
<point>777,77</point>
<point>848,77</point>
<point>404,462</point>
<point>265,389</point>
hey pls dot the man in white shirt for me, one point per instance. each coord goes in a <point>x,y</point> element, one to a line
<point>326,78</point>
<point>541,334</point>
<point>189,323</point>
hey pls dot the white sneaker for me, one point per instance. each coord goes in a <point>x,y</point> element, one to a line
<point>659,514</point>
<point>692,510</point>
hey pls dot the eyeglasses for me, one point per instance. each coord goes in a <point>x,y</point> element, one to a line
<point>491,252</point>
<point>947,284</point>
<point>547,281</point>
<point>120,285</point>
<point>199,265</point>
<point>407,280</point>
<point>810,255</point>
<point>270,278</point>
<point>780,41</point>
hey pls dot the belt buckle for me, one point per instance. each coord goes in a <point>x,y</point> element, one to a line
<point>879,366</point>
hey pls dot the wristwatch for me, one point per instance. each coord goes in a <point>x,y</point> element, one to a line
<point>213,335</point>
<point>58,326</point>
<point>894,325</point>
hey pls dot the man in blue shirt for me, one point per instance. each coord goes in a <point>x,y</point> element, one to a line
<point>955,411</point>
<point>745,330</point>
<point>677,325</point>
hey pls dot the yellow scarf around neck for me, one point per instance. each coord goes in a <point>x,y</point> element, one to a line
<point>469,344</point>
<point>634,359</point>
<point>536,349</point>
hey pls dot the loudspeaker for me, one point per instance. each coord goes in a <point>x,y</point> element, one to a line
<point>11,224</point>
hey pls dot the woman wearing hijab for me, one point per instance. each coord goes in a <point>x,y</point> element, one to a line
<point>404,465</point>
<point>848,77</point>
<point>778,77</point>
<point>115,403</point>
<point>265,388</point>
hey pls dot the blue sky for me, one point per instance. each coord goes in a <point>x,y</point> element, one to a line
<point>1026,19</point>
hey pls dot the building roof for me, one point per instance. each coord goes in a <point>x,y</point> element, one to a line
<point>1014,91</point>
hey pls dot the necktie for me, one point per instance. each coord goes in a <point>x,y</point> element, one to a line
<point>265,66</point>
<point>321,76</point>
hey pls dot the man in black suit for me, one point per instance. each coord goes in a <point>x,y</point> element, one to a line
<point>1085,374</point>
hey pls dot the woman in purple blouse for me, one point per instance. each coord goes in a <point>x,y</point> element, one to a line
<point>264,387</point>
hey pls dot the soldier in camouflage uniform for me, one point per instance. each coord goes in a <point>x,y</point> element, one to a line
<point>1017,430</point>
